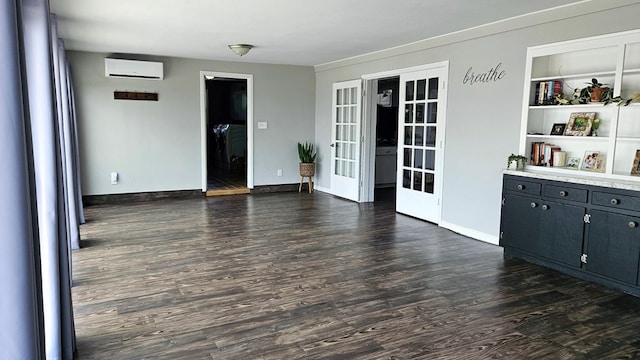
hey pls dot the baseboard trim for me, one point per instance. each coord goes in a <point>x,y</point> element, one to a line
<point>88,200</point>
<point>474,234</point>
<point>263,189</point>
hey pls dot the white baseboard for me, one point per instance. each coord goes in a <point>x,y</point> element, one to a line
<point>488,238</point>
<point>321,189</point>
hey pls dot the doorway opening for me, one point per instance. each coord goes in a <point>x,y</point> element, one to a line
<point>418,115</point>
<point>226,135</point>
<point>386,138</point>
<point>226,110</point>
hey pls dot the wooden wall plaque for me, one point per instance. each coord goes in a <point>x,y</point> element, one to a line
<point>131,95</point>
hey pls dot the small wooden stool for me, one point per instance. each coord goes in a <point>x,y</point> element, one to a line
<point>310,183</point>
<point>307,170</point>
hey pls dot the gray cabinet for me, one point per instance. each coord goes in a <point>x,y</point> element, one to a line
<point>541,225</point>
<point>613,246</point>
<point>586,231</point>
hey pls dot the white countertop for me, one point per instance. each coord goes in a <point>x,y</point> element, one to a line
<point>578,178</point>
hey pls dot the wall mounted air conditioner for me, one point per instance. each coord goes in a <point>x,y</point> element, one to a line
<point>135,69</point>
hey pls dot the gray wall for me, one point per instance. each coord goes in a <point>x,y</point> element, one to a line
<point>483,120</point>
<point>155,146</point>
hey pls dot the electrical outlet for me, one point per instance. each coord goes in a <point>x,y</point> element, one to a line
<point>114,178</point>
<point>279,172</point>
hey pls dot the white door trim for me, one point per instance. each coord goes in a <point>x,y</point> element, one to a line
<point>209,75</point>
<point>368,123</point>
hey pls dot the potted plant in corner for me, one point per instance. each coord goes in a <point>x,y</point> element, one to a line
<point>307,155</point>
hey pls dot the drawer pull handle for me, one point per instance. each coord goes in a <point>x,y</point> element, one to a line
<point>615,202</point>
<point>632,224</point>
<point>563,193</point>
<point>545,207</point>
<point>534,205</point>
<point>520,187</point>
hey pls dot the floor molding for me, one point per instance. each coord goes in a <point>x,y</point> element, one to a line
<point>88,200</point>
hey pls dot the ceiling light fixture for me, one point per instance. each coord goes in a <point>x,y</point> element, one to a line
<point>241,49</point>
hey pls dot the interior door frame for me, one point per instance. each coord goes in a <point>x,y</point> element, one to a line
<point>210,75</point>
<point>368,123</point>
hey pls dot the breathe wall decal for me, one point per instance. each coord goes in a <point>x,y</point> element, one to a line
<point>494,74</point>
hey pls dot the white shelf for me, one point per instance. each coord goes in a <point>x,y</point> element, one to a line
<point>575,76</point>
<point>589,106</point>
<point>572,138</point>
<point>576,63</point>
<point>628,139</point>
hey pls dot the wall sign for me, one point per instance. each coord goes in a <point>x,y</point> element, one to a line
<point>129,95</point>
<point>494,74</point>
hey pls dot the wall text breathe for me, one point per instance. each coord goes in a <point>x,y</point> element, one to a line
<point>494,74</point>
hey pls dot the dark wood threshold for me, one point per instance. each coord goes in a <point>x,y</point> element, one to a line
<point>89,200</point>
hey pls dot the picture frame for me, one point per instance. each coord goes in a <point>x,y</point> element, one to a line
<point>593,161</point>
<point>558,129</point>
<point>635,169</point>
<point>580,124</point>
<point>573,163</point>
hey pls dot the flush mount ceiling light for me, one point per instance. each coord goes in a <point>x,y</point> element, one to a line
<point>240,49</point>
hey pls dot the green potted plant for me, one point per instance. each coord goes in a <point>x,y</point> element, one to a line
<point>516,162</point>
<point>307,154</point>
<point>596,91</point>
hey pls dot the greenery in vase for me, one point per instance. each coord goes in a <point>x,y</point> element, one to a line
<point>517,158</point>
<point>307,152</point>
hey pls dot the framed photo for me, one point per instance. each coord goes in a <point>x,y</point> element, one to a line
<point>635,170</point>
<point>558,129</point>
<point>592,161</point>
<point>580,124</point>
<point>573,163</point>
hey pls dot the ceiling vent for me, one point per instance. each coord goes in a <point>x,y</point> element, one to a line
<point>135,69</point>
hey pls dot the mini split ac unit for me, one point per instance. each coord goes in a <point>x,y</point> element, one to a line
<point>136,69</point>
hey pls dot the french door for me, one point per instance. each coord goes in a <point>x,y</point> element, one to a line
<point>421,143</point>
<point>345,139</point>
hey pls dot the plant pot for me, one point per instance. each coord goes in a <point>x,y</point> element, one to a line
<point>596,94</point>
<point>307,169</point>
<point>516,165</point>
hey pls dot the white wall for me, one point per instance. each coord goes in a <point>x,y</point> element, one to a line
<point>483,120</point>
<point>155,146</point>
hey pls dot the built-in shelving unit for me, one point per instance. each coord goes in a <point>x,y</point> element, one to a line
<point>612,59</point>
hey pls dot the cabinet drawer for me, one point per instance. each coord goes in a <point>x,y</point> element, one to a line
<point>526,187</point>
<point>567,193</point>
<point>616,200</point>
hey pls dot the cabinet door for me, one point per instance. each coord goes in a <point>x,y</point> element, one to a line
<point>613,246</point>
<point>561,232</point>
<point>519,223</point>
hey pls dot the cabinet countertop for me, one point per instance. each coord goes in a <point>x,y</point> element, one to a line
<point>604,182</point>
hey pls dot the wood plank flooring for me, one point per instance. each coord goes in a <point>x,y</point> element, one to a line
<point>224,182</point>
<point>311,276</point>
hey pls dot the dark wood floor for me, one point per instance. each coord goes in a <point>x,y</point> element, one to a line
<point>310,276</point>
<point>226,182</point>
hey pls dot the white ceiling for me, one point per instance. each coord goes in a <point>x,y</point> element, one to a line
<point>297,32</point>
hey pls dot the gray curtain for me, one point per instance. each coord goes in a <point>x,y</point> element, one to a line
<point>68,146</point>
<point>54,250</point>
<point>20,307</point>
